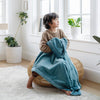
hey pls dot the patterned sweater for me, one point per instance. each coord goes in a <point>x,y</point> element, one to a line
<point>48,35</point>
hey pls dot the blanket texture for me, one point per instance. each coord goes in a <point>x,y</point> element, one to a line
<point>57,68</point>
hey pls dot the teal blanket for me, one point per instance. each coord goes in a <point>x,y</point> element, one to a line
<point>57,68</point>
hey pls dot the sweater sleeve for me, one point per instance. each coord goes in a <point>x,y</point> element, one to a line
<point>64,36</point>
<point>43,46</point>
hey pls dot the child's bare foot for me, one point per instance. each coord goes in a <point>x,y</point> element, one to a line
<point>30,87</point>
<point>29,84</point>
<point>67,92</point>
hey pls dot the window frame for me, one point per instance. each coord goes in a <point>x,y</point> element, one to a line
<point>93,16</point>
<point>56,9</point>
<point>81,15</point>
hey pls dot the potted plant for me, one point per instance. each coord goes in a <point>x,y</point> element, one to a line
<point>13,49</point>
<point>96,38</point>
<point>75,27</point>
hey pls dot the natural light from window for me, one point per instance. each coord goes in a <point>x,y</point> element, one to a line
<point>81,8</point>
<point>85,9</point>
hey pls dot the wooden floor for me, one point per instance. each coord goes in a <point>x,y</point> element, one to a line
<point>87,85</point>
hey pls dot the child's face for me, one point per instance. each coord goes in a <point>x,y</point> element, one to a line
<point>55,23</point>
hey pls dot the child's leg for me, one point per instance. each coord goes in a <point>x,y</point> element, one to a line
<point>31,78</point>
<point>29,84</point>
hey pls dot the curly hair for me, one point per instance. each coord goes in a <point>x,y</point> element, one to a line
<point>48,19</point>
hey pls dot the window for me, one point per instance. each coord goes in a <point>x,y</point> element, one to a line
<point>44,7</point>
<point>88,10</point>
<point>3,16</point>
<point>80,8</point>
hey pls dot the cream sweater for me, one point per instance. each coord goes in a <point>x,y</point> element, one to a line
<point>48,35</point>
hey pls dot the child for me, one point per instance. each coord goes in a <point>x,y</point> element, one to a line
<point>51,23</point>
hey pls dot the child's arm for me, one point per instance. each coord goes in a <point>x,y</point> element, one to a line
<point>64,36</point>
<point>43,46</point>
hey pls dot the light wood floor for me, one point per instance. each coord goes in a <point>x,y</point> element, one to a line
<point>88,86</point>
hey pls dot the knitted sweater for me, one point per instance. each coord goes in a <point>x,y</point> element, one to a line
<point>48,35</point>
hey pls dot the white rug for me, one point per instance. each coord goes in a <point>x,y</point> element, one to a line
<point>13,81</point>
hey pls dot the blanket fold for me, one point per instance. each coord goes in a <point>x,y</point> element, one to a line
<point>57,68</point>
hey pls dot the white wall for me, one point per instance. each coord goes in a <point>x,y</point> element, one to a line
<point>98,17</point>
<point>30,49</point>
<point>14,6</point>
<point>2,51</point>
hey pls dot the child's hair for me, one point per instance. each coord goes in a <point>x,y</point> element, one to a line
<point>48,19</point>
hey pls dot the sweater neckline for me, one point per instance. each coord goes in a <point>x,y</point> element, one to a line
<point>53,32</point>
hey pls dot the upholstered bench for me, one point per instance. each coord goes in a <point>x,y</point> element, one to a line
<point>42,82</point>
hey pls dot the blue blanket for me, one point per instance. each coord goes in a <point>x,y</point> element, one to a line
<point>57,68</point>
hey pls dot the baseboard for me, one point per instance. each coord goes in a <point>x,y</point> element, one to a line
<point>92,75</point>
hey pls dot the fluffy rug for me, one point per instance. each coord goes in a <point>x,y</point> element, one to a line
<point>13,81</point>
